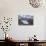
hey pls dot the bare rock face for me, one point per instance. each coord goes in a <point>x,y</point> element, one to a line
<point>35,3</point>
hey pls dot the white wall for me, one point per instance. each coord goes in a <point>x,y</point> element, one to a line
<point>24,32</point>
<point>13,8</point>
<point>45,28</point>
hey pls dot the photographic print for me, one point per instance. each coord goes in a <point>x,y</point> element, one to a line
<point>25,20</point>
